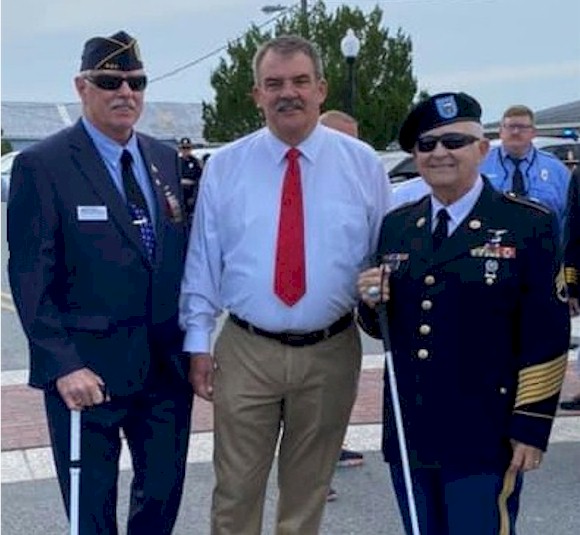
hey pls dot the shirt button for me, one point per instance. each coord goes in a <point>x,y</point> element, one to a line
<point>425,329</point>
<point>429,280</point>
<point>427,305</point>
<point>422,354</point>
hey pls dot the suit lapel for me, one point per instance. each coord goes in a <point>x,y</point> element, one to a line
<point>418,236</point>
<point>91,167</point>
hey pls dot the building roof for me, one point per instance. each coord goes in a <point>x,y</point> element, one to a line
<point>563,116</point>
<point>166,121</point>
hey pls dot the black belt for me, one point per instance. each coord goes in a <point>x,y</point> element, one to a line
<point>297,339</point>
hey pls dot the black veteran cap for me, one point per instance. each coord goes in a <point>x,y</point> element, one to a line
<point>444,108</point>
<point>119,52</point>
<point>185,142</point>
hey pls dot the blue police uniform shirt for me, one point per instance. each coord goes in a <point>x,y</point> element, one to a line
<point>546,178</point>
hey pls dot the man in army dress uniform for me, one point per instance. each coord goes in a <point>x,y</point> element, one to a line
<point>479,329</point>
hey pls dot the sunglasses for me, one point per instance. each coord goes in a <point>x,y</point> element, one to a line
<point>112,82</point>
<point>450,141</point>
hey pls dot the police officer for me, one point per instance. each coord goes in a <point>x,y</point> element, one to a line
<point>517,166</point>
<point>469,269</point>
<point>190,175</point>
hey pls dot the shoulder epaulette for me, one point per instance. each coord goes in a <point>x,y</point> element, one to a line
<point>510,195</point>
<point>409,204</point>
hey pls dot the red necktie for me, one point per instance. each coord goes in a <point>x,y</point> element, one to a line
<point>290,270</point>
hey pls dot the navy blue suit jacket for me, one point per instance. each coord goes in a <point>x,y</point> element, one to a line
<point>479,331</point>
<point>85,291</point>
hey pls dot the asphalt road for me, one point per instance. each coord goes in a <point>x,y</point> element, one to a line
<point>366,505</point>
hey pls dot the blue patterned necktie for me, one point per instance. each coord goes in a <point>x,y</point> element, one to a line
<point>137,205</point>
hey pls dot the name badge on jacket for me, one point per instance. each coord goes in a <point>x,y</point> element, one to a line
<point>92,213</point>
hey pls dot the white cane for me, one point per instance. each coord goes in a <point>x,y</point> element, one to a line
<point>384,326</point>
<point>75,470</point>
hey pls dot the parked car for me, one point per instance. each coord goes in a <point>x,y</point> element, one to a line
<point>6,168</point>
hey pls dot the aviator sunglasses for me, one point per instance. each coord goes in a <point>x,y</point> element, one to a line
<point>450,141</point>
<point>112,82</point>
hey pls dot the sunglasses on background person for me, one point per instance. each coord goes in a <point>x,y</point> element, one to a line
<point>450,141</point>
<point>112,82</point>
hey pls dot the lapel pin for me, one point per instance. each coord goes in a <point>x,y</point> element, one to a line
<point>475,224</point>
<point>421,222</point>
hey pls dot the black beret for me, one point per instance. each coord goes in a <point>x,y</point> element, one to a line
<point>119,52</point>
<point>440,109</point>
<point>185,142</point>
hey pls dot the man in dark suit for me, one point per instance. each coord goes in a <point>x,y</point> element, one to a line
<point>96,237</point>
<point>479,325</point>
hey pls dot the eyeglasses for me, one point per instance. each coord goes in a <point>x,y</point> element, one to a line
<point>515,127</point>
<point>112,82</point>
<point>451,141</point>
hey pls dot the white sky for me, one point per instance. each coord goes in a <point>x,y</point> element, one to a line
<point>501,51</point>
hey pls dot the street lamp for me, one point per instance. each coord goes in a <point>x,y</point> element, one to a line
<point>350,47</point>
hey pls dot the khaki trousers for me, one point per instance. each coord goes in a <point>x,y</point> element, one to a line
<point>265,391</point>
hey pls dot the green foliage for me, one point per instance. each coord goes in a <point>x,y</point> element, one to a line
<point>385,85</point>
<point>6,145</point>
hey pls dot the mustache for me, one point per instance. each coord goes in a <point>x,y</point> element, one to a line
<point>123,103</point>
<point>288,104</point>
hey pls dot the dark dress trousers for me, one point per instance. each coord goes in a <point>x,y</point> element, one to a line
<point>479,332</point>
<point>88,296</point>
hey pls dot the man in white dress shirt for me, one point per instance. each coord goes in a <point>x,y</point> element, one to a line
<point>286,218</point>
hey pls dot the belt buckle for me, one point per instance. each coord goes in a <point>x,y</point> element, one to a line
<point>291,339</point>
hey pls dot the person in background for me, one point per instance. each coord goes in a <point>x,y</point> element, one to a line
<point>96,238</point>
<point>572,262</point>
<point>190,175</point>
<point>286,218</point>
<point>518,167</point>
<point>345,123</point>
<point>467,270</point>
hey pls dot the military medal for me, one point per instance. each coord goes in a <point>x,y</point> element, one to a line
<point>173,208</point>
<point>491,267</point>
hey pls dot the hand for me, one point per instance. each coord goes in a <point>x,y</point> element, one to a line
<point>371,279</point>
<point>524,457</point>
<point>574,306</point>
<point>201,375</point>
<point>82,388</point>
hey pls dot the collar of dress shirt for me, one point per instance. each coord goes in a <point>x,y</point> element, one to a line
<point>309,147</point>
<point>458,210</point>
<point>109,149</point>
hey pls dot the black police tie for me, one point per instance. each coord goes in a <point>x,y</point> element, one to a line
<point>137,205</point>
<point>518,178</point>
<point>441,230</point>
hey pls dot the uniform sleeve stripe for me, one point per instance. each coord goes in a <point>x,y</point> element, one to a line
<point>540,382</point>
<point>535,415</point>
<point>540,370</point>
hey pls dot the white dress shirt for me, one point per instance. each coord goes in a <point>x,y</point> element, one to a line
<point>231,253</point>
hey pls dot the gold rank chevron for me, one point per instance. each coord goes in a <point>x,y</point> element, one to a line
<point>541,381</point>
<point>571,275</point>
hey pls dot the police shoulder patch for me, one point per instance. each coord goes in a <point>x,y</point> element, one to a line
<point>525,202</point>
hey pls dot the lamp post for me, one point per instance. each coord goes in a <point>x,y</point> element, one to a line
<point>271,9</point>
<point>350,47</point>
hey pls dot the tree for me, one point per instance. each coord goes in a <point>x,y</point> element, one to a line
<point>6,145</point>
<point>384,80</point>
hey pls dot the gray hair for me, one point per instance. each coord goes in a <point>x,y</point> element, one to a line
<point>288,45</point>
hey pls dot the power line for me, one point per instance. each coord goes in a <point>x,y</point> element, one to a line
<point>219,49</point>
